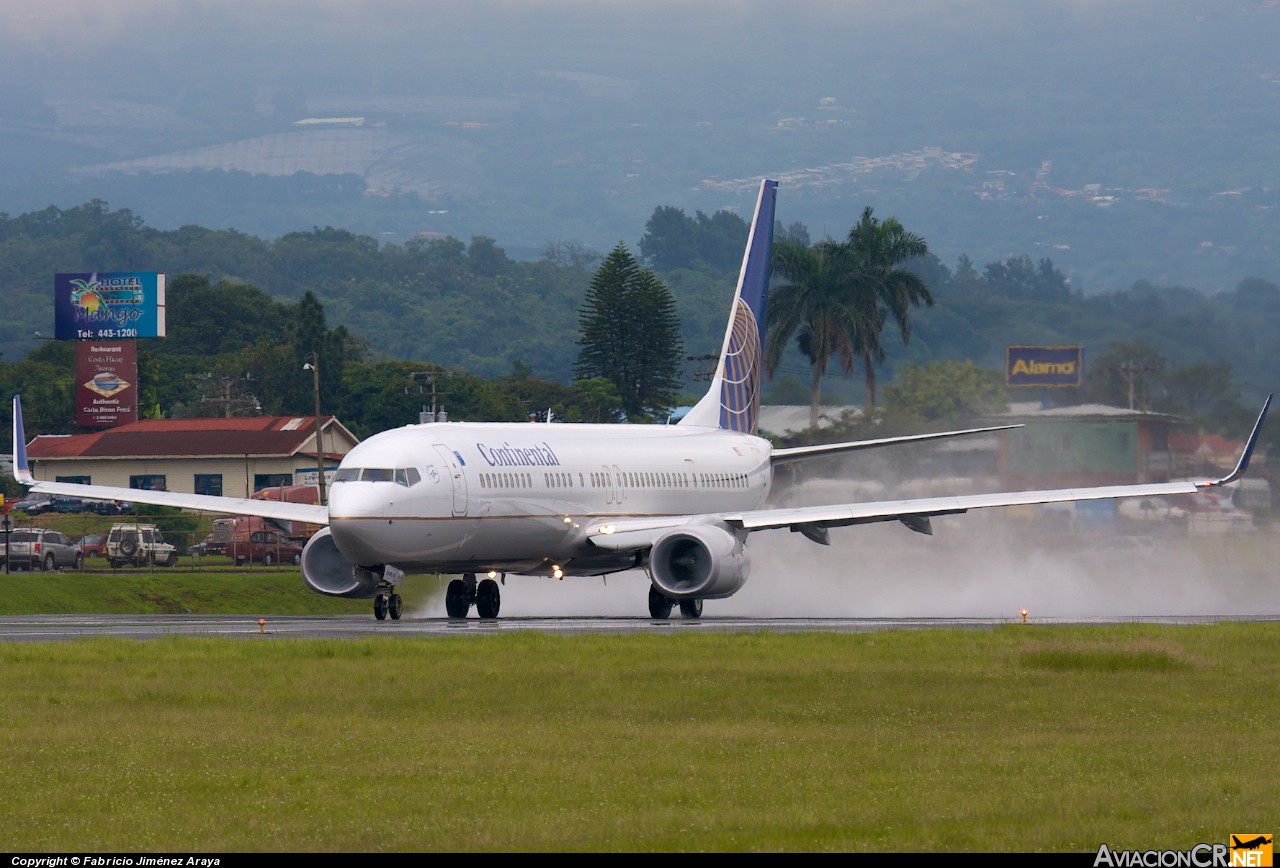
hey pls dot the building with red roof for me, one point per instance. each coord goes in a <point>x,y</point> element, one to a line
<point>229,456</point>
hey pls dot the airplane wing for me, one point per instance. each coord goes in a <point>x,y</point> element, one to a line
<point>796,453</point>
<point>813,521</point>
<point>304,512</point>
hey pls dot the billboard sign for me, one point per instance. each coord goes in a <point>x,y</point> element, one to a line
<point>109,305</point>
<point>106,383</point>
<point>1043,366</point>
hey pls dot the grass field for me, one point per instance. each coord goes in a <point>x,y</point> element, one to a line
<point>1031,738</point>
<point>1016,739</point>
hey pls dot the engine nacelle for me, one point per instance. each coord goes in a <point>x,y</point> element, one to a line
<point>326,571</point>
<point>698,562</point>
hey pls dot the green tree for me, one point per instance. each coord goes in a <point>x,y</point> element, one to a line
<point>813,305</point>
<point>881,288</point>
<point>210,319</point>
<point>942,395</point>
<point>1127,374</point>
<point>630,335</point>
<point>594,400</point>
<point>670,240</point>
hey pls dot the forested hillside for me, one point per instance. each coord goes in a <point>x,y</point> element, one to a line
<point>444,309</point>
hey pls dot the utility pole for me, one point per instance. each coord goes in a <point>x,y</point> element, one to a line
<point>704,375</point>
<point>432,415</point>
<point>1130,371</point>
<point>313,365</point>
<point>231,404</point>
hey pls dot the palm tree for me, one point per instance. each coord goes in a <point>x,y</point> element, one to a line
<point>814,306</point>
<point>879,288</point>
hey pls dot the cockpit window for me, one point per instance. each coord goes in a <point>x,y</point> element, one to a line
<point>405,476</point>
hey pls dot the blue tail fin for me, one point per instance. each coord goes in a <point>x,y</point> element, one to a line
<point>733,401</point>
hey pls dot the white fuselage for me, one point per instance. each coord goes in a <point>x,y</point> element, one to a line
<point>523,497</point>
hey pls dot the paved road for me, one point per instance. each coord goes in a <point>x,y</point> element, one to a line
<point>36,628</point>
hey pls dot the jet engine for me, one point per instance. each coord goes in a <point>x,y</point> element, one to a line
<point>326,571</point>
<point>698,562</point>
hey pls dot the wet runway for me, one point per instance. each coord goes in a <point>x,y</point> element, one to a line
<point>44,628</point>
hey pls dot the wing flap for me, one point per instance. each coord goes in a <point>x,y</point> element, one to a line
<point>797,453</point>
<point>837,515</point>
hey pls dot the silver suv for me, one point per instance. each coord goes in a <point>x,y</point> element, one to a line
<point>139,544</point>
<point>35,548</point>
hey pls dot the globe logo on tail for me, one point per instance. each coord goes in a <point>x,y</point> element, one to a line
<point>740,389</point>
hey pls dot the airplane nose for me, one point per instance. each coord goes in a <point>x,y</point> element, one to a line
<point>380,522</point>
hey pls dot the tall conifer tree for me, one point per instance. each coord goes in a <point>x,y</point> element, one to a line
<point>630,335</point>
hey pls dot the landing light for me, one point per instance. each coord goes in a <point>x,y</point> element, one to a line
<point>568,520</point>
<point>557,573</point>
<point>1024,616</point>
<point>605,528</point>
<point>493,574</point>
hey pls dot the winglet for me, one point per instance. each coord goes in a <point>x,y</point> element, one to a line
<point>21,471</point>
<point>1243,464</point>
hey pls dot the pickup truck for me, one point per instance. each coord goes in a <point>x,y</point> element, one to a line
<point>266,547</point>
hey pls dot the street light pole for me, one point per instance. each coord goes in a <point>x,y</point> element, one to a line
<point>313,365</point>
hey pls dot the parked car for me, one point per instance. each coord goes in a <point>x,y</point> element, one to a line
<point>33,504</point>
<point>33,548</point>
<point>59,503</point>
<point>266,547</point>
<point>93,545</point>
<point>108,507</point>
<point>139,544</point>
<point>1150,509</point>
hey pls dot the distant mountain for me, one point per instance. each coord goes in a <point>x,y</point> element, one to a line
<point>1077,131</point>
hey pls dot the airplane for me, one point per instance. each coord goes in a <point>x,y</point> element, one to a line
<point>678,501</point>
<point>1251,844</point>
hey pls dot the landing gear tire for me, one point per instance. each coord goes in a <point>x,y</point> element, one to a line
<point>488,599</point>
<point>380,607</point>
<point>456,599</point>
<point>395,606</point>
<point>659,604</point>
<point>691,609</point>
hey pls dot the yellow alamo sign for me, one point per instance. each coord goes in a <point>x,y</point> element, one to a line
<point>1023,367</point>
<point>1043,366</point>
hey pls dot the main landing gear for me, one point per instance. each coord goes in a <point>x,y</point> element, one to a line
<point>462,593</point>
<point>660,606</point>
<point>388,604</point>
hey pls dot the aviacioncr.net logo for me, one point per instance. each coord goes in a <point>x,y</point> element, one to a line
<point>1199,856</point>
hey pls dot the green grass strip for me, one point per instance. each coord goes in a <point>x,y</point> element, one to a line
<point>1023,738</point>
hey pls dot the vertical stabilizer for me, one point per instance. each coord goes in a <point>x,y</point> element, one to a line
<point>733,401</point>
<point>21,471</point>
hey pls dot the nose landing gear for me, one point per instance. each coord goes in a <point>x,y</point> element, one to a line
<point>388,604</point>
